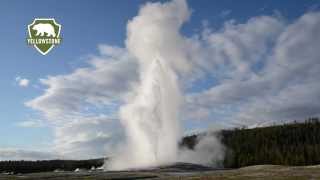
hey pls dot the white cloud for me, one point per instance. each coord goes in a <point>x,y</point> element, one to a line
<point>81,106</point>
<point>283,88</point>
<point>31,123</point>
<point>291,73</point>
<point>19,154</point>
<point>87,137</point>
<point>103,83</point>
<point>23,82</point>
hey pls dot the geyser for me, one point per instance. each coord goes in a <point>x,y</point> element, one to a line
<point>150,120</point>
<point>150,116</point>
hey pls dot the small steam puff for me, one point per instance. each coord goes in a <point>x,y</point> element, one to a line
<point>151,117</point>
<point>208,151</point>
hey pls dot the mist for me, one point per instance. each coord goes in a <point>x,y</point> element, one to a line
<point>208,151</point>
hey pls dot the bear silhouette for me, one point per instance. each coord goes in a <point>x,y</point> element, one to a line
<point>44,30</point>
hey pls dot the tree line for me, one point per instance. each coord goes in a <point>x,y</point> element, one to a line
<point>48,165</point>
<point>288,144</point>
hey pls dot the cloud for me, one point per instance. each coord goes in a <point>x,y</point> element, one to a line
<point>23,82</point>
<point>103,83</point>
<point>225,13</point>
<point>292,73</point>
<point>81,106</point>
<point>87,137</point>
<point>18,154</point>
<point>284,85</point>
<point>31,124</point>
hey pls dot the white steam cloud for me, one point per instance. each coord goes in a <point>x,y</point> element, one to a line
<point>151,115</point>
<point>208,151</point>
<point>150,120</point>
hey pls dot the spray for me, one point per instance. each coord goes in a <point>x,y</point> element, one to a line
<point>150,120</point>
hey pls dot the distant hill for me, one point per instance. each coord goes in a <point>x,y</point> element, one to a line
<point>297,143</point>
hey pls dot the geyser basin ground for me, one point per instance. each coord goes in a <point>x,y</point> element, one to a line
<point>251,172</point>
<point>176,167</point>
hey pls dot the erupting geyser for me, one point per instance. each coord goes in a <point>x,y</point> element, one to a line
<point>151,121</point>
<point>150,116</point>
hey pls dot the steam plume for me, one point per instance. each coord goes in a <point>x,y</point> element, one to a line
<point>151,120</point>
<point>151,116</point>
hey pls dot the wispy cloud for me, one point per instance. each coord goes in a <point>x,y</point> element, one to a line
<point>23,82</point>
<point>20,154</point>
<point>31,124</point>
<point>225,13</point>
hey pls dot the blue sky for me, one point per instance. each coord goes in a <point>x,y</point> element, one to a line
<point>85,25</point>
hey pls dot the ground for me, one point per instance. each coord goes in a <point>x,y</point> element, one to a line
<point>187,171</point>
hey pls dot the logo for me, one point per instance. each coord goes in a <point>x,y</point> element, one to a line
<point>44,34</point>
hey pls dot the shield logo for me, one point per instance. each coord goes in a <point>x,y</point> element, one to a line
<point>44,34</point>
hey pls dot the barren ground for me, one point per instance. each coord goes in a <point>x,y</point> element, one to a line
<point>186,171</point>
